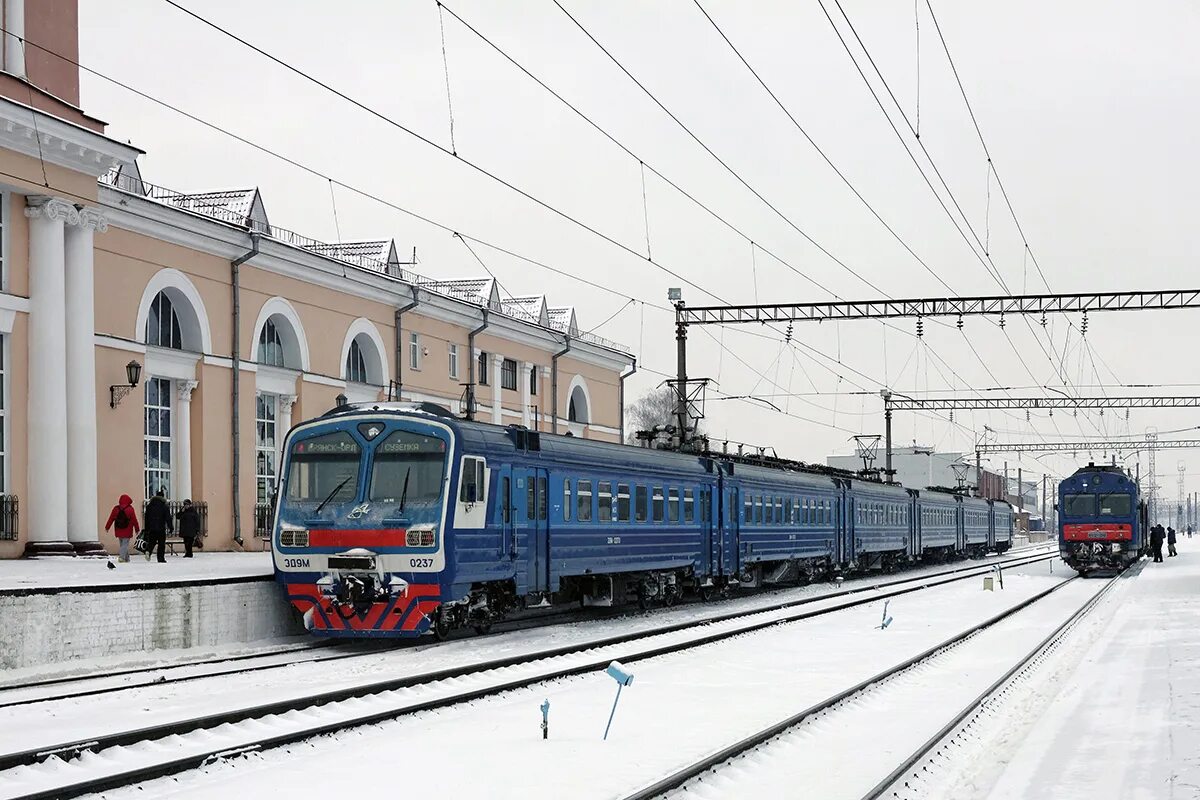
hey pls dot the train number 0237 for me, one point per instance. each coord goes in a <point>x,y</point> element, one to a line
<point>420,563</point>
<point>296,563</point>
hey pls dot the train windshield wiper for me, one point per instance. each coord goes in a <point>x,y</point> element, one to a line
<point>336,489</point>
<point>404,491</point>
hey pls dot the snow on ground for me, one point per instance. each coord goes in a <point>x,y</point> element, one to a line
<point>1114,717</point>
<point>45,724</point>
<point>84,572</point>
<point>679,707</point>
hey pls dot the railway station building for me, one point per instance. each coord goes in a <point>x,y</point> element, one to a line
<point>153,338</point>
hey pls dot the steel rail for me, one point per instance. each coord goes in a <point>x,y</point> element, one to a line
<point>1062,630</point>
<point>507,626</point>
<point>714,760</point>
<point>139,774</point>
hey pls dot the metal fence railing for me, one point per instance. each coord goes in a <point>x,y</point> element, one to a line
<point>264,520</point>
<point>175,506</point>
<point>8,517</point>
<point>199,204</point>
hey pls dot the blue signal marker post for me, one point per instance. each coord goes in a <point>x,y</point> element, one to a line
<point>623,678</point>
<point>545,718</point>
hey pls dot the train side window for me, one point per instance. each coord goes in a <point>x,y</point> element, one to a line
<point>748,516</point>
<point>583,493</point>
<point>543,498</point>
<point>531,498</point>
<point>787,510</point>
<point>623,502</point>
<point>768,517</point>
<point>640,504</point>
<point>657,500</point>
<point>758,511</point>
<point>506,498</point>
<point>473,487</point>
<point>689,506</point>
<point>672,505</point>
<point>779,518</point>
<point>566,499</point>
<point>604,501</point>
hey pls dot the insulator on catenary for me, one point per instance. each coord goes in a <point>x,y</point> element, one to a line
<point>920,327</point>
<point>960,322</point>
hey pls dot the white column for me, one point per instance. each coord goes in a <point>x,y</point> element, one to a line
<point>14,46</point>
<point>47,377</point>
<point>523,376</point>
<point>82,523</point>
<point>283,424</point>
<point>183,440</point>
<point>546,403</point>
<point>497,390</point>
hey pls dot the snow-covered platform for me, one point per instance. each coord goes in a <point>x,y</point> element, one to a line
<point>1121,719</point>
<point>62,609</point>
<point>57,574</point>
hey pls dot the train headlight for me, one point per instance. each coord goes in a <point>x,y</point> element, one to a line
<point>290,536</point>
<point>421,536</point>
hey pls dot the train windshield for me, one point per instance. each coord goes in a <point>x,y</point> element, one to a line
<point>1079,505</point>
<point>1116,505</point>
<point>324,469</point>
<point>409,468</point>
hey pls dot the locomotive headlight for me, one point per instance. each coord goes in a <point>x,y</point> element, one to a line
<point>421,536</point>
<point>291,536</point>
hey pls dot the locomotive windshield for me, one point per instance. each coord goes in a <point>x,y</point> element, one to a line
<point>1116,505</point>
<point>1079,505</point>
<point>324,468</point>
<point>408,468</point>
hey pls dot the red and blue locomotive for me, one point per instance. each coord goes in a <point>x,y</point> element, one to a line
<point>1102,526</point>
<point>400,519</point>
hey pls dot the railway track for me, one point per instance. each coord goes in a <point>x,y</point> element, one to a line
<point>73,768</point>
<point>66,688</point>
<point>784,741</point>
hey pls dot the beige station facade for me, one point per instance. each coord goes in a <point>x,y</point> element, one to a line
<point>237,327</point>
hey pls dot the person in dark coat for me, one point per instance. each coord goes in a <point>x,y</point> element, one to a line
<point>1171,543</point>
<point>125,520</point>
<point>189,526</point>
<point>1156,542</point>
<point>158,523</point>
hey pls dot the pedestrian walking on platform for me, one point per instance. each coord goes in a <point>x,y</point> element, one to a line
<point>1171,543</point>
<point>1156,542</point>
<point>124,520</point>
<point>189,526</point>
<point>158,523</point>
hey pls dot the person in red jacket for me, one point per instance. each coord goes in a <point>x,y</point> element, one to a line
<point>125,522</point>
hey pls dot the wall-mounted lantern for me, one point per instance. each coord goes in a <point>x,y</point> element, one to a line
<point>341,400</point>
<point>133,374</point>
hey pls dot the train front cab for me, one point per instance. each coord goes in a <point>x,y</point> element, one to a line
<point>1099,521</point>
<point>359,539</point>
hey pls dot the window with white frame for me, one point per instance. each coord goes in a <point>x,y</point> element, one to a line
<point>483,369</point>
<point>162,325</point>
<point>356,365</point>
<point>266,415</point>
<point>414,351</point>
<point>454,361</point>
<point>157,434</point>
<point>508,374</point>
<point>270,345</point>
<point>533,381</point>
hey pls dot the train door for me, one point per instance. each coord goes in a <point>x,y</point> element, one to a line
<point>851,548</point>
<point>537,557</point>
<point>506,514</point>
<point>708,550</point>
<point>730,534</point>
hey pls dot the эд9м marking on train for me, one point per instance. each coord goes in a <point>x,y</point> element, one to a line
<point>397,519</point>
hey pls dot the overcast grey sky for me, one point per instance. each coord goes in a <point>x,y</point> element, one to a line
<point>1088,108</point>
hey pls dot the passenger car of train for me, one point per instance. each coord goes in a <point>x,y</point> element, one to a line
<point>398,519</point>
<point>1102,525</point>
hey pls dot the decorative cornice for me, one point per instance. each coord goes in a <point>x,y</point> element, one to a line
<point>286,401</point>
<point>91,218</point>
<point>38,206</point>
<point>53,139</point>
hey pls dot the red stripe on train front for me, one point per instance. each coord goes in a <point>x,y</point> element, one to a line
<point>1097,532</point>
<point>385,537</point>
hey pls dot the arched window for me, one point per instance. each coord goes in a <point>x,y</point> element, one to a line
<point>577,409</point>
<point>270,346</point>
<point>572,414</point>
<point>162,325</point>
<point>356,365</point>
